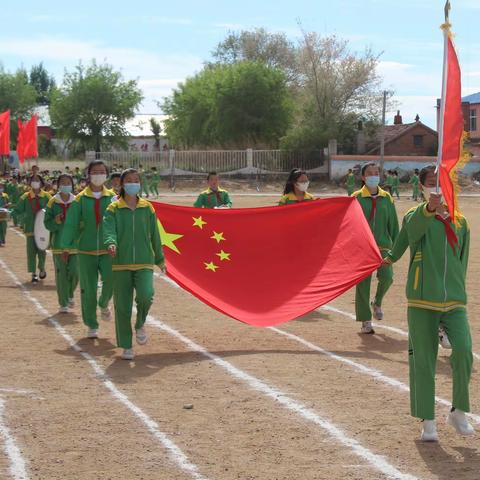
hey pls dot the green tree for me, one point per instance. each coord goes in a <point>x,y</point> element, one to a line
<point>156,129</point>
<point>17,96</point>
<point>240,105</point>
<point>43,82</point>
<point>92,105</point>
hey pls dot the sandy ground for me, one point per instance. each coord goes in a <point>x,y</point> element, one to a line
<point>340,409</point>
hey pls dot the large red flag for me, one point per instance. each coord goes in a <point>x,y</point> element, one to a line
<point>451,156</point>
<point>27,139</point>
<point>265,266</point>
<point>5,133</point>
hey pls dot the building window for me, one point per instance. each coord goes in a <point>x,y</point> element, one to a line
<point>473,120</point>
<point>418,140</point>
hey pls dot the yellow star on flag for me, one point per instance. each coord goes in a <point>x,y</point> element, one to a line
<point>211,266</point>
<point>224,256</point>
<point>218,237</point>
<point>198,222</point>
<point>168,239</point>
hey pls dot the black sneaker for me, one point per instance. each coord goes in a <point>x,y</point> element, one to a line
<point>34,279</point>
<point>43,275</point>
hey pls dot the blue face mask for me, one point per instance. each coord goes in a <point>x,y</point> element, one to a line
<point>372,181</point>
<point>65,188</point>
<point>131,188</point>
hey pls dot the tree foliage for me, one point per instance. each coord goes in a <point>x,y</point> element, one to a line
<point>43,82</point>
<point>156,129</point>
<point>238,105</point>
<point>92,105</point>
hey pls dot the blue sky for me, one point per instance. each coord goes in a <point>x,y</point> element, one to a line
<point>163,42</point>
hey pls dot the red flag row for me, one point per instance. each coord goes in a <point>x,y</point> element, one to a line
<point>27,146</point>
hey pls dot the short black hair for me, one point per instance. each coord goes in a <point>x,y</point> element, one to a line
<point>31,177</point>
<point>65,175</point>
<point>95,163</point>
<point>366,165</point>
<point>416,171</point>
<point>115,175</point>
<point>211,174</point>
<point>425,171</point>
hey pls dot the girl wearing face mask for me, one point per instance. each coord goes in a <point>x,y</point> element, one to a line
<point>296,188</point>
<point>30,203</point>
<point>379,210</point>
<point>4,203</point>
<point>132,236</point>
<point>84,223</point>
<point>65,261</point>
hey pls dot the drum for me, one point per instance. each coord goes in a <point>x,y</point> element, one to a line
<point>40,233</point>
<point>3,214</point>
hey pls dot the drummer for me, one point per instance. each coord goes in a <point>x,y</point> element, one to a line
<point>30,203</point>
<point>4,204</point>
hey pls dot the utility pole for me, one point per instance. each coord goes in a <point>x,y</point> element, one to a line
<point>382,133</point>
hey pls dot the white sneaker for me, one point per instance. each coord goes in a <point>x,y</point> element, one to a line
<point>92,333</point>
<point>142,336</point>
<point>367,328</point>
<point>128,354</point>
<point>429,431</point>
<point>63,310</point>
<point>443,339</point>
<point>377,312</point>
<point>106,313</point>
<point>458,420</point>
<point>71,302</point>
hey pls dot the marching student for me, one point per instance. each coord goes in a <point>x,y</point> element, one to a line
<point>13,190</point>
<point>414,181</point>
<point>115,184</point>
<point>350,182</point>
<point>295,190</point>
<point>30,203</point>
<point>154,179</point>
<point>213,196</point>
<point>389,182</point>
<point>64,261</point>
<point>132,237</point>
<point>395,184</point>
<point>4,204</point>
<point>143,181</point>
<point>436,294</point>
<point>379,210</point>
<point>84,223</point>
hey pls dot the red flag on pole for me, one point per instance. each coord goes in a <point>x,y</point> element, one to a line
<point>265,266</point>
<point>451,156</point>
<point>27,139</point>
<point>5,133</point>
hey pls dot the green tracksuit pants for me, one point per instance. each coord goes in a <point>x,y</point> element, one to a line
<point>423,349</point>
<point>66,278</point>
<point>415,193</point>
<point>154,188</point>
<point>3,231</point>
<point>350,190</point>
<point>33,253</point>
<point>396,192</point>
<point>144,189</point>
<point>362,295</point>
<point>89,266</point>
<point>124,283</point>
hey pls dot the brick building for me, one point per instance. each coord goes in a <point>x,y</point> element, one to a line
<point>407,139</point>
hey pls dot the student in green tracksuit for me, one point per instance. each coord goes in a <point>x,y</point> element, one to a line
<point>350,182</point>
<point>12,189</point>
<point>30,203</point>
<point>154,179</point>
<point>296,187</point>
<point>395,184</point>
<point>84,223</point>
<point>143,182</point>
<point>4,203</point>
<point>133,239</point>
<point>64,261</point>
<point>214,196</point>
<point>379,210</point>
<point>414,181</point>
<point>436,294</point>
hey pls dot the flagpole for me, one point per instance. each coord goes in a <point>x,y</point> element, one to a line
<point>446,30</point>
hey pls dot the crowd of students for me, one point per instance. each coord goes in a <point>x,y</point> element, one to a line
<point>102,227</point>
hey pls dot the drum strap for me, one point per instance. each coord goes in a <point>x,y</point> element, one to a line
<point>35,205</point>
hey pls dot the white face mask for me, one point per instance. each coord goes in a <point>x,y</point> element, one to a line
<point>98,180</point>
<point>302,186</point>
<point>35,185</point>
<point>428,191</point>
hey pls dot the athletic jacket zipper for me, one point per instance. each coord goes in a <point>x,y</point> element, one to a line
<point>445,271</point>
<point>133,239</point>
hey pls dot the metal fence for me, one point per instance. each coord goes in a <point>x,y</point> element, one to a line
<point>194,162</point>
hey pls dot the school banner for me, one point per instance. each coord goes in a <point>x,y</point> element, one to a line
<point>266,266</point>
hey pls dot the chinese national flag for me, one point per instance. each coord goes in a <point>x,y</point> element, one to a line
<point>27,139</point>
<point>5,133</point>
<point>265,266</point>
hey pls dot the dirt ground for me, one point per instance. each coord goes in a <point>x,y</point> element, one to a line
<point>337,407</point>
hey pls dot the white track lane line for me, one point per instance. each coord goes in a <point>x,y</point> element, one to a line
<point>174,452</point>
<point>18,468</point>
<point>376,461</point>
<point>372,372</point>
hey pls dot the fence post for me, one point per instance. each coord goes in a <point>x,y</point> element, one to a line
<point>250,158</point>
<point>171,165</point>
